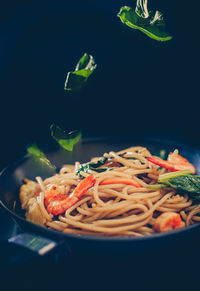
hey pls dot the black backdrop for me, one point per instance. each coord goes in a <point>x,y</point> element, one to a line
<point>140,86</point>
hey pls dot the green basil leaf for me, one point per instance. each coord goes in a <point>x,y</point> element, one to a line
<point>93,166</point>
<point>153,25</point>
<point>65,140</point>
<point>85,67</point>
<point>189,184</point>
<point>164,178</point>
<point>39,156</point>
<point>182,180</point>
<point>98,164</point>
<point>86,62</point>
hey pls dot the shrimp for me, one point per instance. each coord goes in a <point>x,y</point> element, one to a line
<point>57,202</point>
<point>181,163</point>
<point>175,162</point>
<point>168,221</point>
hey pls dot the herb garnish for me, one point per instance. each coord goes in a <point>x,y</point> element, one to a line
<point>181,180</point>
<point>184,181</point>
<point>39,155</point>
<point>65,140</point>
<point>93,166</point>
<point>149,22</point>
<point>85,67</point>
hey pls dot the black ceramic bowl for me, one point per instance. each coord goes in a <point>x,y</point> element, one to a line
<point>12,177</point>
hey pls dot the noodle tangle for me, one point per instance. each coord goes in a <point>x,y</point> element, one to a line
<point>115,208</point>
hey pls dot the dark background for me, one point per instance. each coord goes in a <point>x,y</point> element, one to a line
<point>140,87</point>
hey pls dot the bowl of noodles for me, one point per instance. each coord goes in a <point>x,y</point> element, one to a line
<point>105,193</point>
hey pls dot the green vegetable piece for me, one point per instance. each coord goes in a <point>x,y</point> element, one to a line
<point>165,177</point>
<point>85,67</point>
<point>184,181</point>
<point>65,140</point>
<point>157,186</point>
<point>86,62</point>
<point>189,184</point>
<point>39,156</point>
<point>93,166</point>
<point>149,22</point>
<point>98,164</point>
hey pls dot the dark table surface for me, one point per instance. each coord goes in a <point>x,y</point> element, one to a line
<point>162,270</point>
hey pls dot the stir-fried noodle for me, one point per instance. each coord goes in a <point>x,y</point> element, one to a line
<point>113,205</point>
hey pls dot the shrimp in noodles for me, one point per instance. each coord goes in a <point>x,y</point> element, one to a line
<point>110,196</point>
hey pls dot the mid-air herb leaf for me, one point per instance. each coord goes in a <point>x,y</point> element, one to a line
<point>65,140</point>
<point>85,67</point>
<point>149,22</point>
<point>39,156</point>
<point>93,166</point>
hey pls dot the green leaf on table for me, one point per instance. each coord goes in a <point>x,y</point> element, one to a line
<point>151,23</point>
<point>65,140</point>
<point>39,156</point>
<point>85,67</point>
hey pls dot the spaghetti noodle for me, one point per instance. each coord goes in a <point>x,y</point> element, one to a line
<point>119,202</point>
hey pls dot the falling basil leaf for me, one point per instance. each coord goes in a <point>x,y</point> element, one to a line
<point>65,140</point>
<point>38,155</point>
<point>85,67</point>
<point>149,22</point>
<point>86,62</point>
